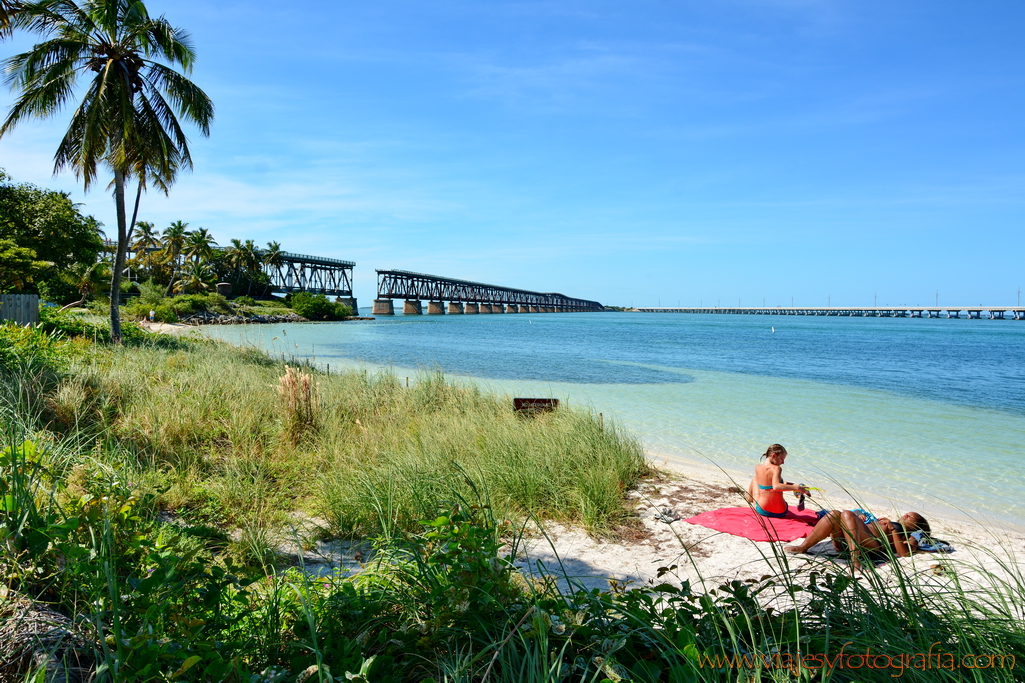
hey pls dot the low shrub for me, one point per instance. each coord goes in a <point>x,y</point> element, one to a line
<point>30,346</point>
<point>318,307</point>
<point>68,324</point>
<point>171,309</point>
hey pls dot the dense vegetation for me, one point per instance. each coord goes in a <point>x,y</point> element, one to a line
<point>189,261</point>
<point>44,240</point>
<point>142,489</point>
<point>48,247</point>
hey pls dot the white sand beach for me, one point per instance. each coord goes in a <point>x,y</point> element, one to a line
<point>660,538</point>
<point>657,537</point>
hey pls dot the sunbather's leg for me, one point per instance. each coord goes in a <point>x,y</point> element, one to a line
<point>825,528</point>
<point>858,536</point>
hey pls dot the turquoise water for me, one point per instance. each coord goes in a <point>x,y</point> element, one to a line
<point>929,412</point>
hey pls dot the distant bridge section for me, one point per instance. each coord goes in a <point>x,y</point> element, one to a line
<point>316,274</point>
<point>466,297</point>
<point>990,312</point>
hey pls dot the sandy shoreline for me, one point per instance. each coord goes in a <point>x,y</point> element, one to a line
<point>659,538</point>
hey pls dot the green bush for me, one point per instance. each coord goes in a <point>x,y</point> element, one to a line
<point>194,303</point>
<point>72,325</point>
<point>245,301</point>
<point>164,313</point>
<point>27,345</point>
<point>151,293</point>
<point>317,307</point>
<point>170,309</point>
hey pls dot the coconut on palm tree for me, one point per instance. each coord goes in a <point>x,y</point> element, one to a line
<point>127,121</point>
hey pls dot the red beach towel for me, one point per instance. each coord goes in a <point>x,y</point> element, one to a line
<point>749,524</point>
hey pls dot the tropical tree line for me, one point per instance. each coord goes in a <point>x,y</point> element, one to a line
<point>123,73</point>
<point>46,244</point>
<point>190,261</point>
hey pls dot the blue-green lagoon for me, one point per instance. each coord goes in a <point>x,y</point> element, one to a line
<point>928,412</point>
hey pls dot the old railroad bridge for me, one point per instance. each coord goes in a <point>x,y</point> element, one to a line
<point>466,297</point>
<point>297,273</point>
<point>991,312</point>
<point>333,277</point>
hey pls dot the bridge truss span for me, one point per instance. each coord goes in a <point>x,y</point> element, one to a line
<point>476,296</point>
<point>316,274</point>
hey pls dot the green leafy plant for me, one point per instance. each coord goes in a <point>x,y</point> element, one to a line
<point>317,307</point>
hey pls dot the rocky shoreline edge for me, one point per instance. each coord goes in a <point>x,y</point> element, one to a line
<point>207,318</point>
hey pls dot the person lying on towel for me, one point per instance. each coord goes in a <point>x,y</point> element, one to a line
<point>876,538</point>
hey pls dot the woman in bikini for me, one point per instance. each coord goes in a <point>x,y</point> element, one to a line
<point>877,538</point>
<point>767,487</point>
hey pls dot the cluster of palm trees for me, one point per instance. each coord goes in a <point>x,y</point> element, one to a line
<point>190,261</point>
<point>126,118</point>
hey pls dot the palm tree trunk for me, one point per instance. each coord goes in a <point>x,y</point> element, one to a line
<point>119,259</point>
<point>135,214</point>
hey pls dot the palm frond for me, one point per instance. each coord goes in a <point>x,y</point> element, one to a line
<point>185,96</point>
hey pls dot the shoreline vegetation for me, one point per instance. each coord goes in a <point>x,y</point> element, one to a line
<point>145,488</point>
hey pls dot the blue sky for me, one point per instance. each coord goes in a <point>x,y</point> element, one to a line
<point>656,151</point>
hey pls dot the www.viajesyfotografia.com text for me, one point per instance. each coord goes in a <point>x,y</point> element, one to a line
<point>846,659</point>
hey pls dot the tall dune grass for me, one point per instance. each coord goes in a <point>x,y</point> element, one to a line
<point>229,431</point>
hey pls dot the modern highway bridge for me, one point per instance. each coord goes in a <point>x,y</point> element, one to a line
<point>991,312</point>
<point>466,297</point>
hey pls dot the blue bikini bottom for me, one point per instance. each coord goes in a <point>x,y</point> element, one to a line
<point>774,515</point>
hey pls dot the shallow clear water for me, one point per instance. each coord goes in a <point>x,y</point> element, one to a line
<point>926,411</point>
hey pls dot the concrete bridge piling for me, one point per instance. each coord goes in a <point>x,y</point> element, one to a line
<point>412,307</point>
<point>384,307</point>
<point>436,308</point>
<point>455,308</point>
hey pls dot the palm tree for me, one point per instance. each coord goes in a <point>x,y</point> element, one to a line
<point>8,8</point>
<point>128,119</point>
<point>196,276</point>
<point>87,279</point>
<point>173,244</point>
<point>145,244</point>
<point>199,245</point>
<point>234,256</point>
<point>253,263</point>
<point>273,256</point>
